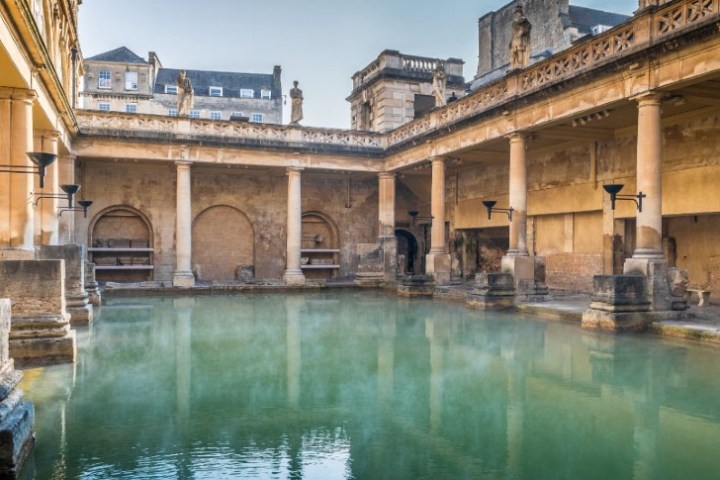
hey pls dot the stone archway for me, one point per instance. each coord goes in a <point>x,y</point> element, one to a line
<point>222,240</point>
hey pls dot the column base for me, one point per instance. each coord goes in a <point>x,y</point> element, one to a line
<point>416,286</point>
<point>294,277</point>
<point>665,287</point>
<point>40,350</point>
<point>528,276</point>
<point>183,279</point>
<point>81,312</point>
<point>438,266</point>
<point>493,291</point>
<point>16,430</point>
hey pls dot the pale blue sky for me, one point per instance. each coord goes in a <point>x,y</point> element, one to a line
<point>321,43</point>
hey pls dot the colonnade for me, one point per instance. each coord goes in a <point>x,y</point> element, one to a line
<point>517,261</point>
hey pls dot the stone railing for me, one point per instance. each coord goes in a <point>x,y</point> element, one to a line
<point>645,29</point>
<point>396,61</point>
<point>119,124</point>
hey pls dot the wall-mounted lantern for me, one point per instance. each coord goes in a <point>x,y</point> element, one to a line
<point>614,188</point>
<point>41,161</point>
<point>490,205</point>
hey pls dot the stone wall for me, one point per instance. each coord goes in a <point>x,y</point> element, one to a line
<point>255,198</point>
<point>572,271</point>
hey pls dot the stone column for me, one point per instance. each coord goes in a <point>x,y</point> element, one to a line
<point>16,140</point>
<point>293,273</point>
<point>183,276</point>
<point>518,195</point>
<point>386,223</point>
<point>649,177</point>
<point>66,174</point>
<point>528,272</point>
<point>438,261</point>
<point>46,219</point>
<point>648,258</point>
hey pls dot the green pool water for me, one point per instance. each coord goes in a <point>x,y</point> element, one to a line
<point>357,385</point>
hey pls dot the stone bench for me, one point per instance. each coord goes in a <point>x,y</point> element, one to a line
<point>702,293</point>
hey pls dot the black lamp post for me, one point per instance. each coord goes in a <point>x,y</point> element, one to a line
<point>490,205</point>
<point>41,161</point>
<point>69,189</point>
<point>84,205</point>
<point>614,189</point>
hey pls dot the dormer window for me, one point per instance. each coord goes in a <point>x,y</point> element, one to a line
<point>247,93</point>
<point>171,89</point>
<point>266,94</point>
<point>215,92</point>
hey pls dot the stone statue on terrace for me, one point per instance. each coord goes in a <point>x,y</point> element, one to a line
<point>439,80</point>
<point>185,94</point>
<point>296,102</point>
<point>520,41</point>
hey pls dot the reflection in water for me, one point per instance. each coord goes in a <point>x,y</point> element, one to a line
<point>368,386</point>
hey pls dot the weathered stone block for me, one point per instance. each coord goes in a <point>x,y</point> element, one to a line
<point>16,416</point>
<point>40,328</point>
<point>529,276</point>
<point>619,293</point>
<point>91,285</point>
<point>77,299</point>
<point>245,273</point>
<point>438,265</point>
<point>416,286</point>
<point>370,264</point>
<point>492,291</point>
<point>619,303</point>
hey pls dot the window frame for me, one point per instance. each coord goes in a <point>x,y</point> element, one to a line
<point>257,118</point>
<point>133,86</point>
<point>171,89</point>
<point>218,91</point>
<point>215,113</point>
<point>194,113</point>
<point>103,82</point>
<point>131,107</point>
<point>172,112</point>
<point>266,94</point>
<point>247,93</point>
<point>103,106</point>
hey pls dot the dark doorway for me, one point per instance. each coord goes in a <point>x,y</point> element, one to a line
<point>407,247</point>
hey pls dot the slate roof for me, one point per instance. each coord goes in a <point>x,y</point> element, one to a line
<point>120,55</point>
<point>231,82</point>
<point>586,18</point>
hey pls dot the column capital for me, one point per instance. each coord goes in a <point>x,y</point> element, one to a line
<point>517,136</point>
<point>70,158</point>
<point>10,93</point>
<point>290,170</point>
<point>386,175</point>
<point>651,97</point>
<point>437,159</point>
<point>183,164</point>
<point>49,134</point>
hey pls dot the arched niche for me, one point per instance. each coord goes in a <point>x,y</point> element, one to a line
<point>223,244</point>
<point>320,248</point>
<point>120,244</point>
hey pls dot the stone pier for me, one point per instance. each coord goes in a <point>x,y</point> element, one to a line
<point>16,417</point>
<point>76,298</point>
<point>493,291</point>
<point>91,286</point>
<point>40,333</point>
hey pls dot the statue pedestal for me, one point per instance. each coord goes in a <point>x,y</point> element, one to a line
<point>664,288</point>
<point>619,303</point>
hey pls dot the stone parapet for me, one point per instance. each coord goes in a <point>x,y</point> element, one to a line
<point>77,299</point>
<point>16,416</point>
<point>40,332</point>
